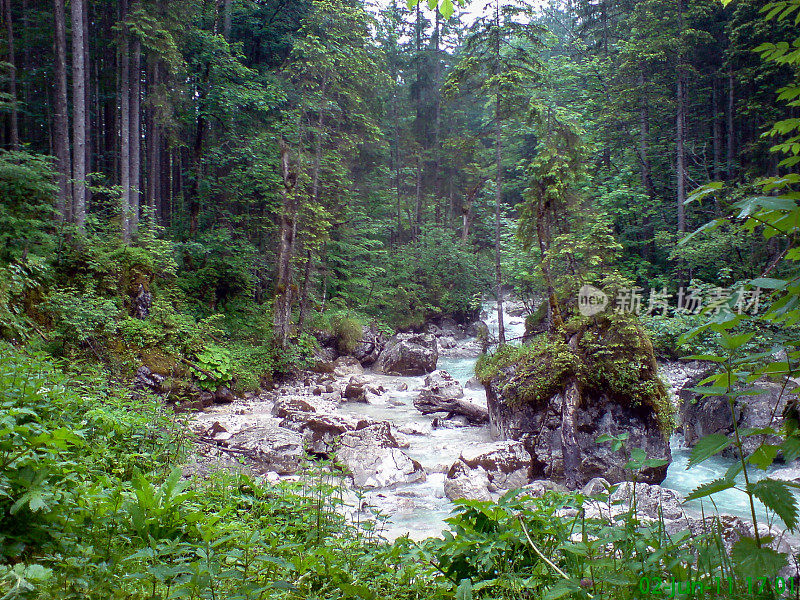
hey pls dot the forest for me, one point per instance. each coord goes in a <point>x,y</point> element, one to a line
<point>387,299</point>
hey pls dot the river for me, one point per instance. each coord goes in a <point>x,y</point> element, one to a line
<point>420,509</point>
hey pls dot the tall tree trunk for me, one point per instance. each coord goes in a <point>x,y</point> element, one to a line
<point>305,299</point>
<point>153,129</point>
<point>468,209</point>
<point>125,127</point>
<point>226,19</point>
<point>418,123</point>
<point>288,228</point>
<point>646,168</point>
<point>197,154</point>
<point>644,134</point>
<point>716,128</point>
<point>570,450</point>
<point>397,168</point>
<point>418,199</point>
<point>498,196</point>
<point>437,74</point>
<point>12,84</point>
<point>61,114</point>
<point>136,135</point>
<point>731,133</point>
<point>87,70</point>
<point>680,166</point>
<point>680,128</point>
<point>78,114</point>
<point>27,66</point>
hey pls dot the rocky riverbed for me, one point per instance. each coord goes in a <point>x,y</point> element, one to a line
<point>407,465</point>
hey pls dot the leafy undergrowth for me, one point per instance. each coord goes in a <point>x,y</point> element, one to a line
<point>93,505</point>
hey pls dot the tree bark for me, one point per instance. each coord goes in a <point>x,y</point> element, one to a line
<point>226,19</point>
<point>474,413</point>
<point>136,135</point>
<point>61,114</point>
<point>78,114</point>
<point>570,451</point>
<point>12,84</point>
<point>730,132</point>
<point>716,128</point>
<point>680,133</point>
<point>418,199</point>
<point>305,291</point>
<point>125,127</point>
<point>153,129</point>
<point>437,121</point>
<point>498,269</point>
<point>646,168</point>
<point>88,100</point>
<point>468,210</point>
<point>283,279</point>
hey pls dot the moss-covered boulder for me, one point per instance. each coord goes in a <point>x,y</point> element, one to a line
<point>560,393</point>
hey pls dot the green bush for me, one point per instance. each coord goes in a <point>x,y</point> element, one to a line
<point>27,212</point>
<point>81,316</point>
<point>214,367</point>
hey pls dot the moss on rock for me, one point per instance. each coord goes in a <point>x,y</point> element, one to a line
<point>609,355</point>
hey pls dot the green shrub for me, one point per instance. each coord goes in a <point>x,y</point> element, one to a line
<point>215,367</point>
<point>348,331</point>
<point>27,212</point>
<point>81,316</point>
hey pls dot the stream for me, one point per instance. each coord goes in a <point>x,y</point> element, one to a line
<point>420,509</point>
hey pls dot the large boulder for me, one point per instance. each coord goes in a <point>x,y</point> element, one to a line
<point>347,365</point>
<point>703,416</point>
<point>440,386</point>
<point>559,396</point>
<point>467,484</point>
<point>487,468</point>
<point>321,432</point>
<point>272,447</point>
<point>540,428</point>
<point>409,354</point>
<point>375,460</point>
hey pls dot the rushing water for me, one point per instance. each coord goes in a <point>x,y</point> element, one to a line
<point>420,509</point>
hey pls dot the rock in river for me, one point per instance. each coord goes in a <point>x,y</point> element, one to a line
<point>443,394</point>
<point>409,354</point>
<point>373,457</point>
<point>487,468</point>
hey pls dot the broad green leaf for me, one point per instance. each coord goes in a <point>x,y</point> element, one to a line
<point>776,496</point>
<point>769,283</point>
<point>707,447</point>
<point>464,590</point>
<point>790,449</point>
<point>763,456</point>
<point>560,589</point>
<point>712,487</point>
<point>734,342</point>
<point>751,561</point>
